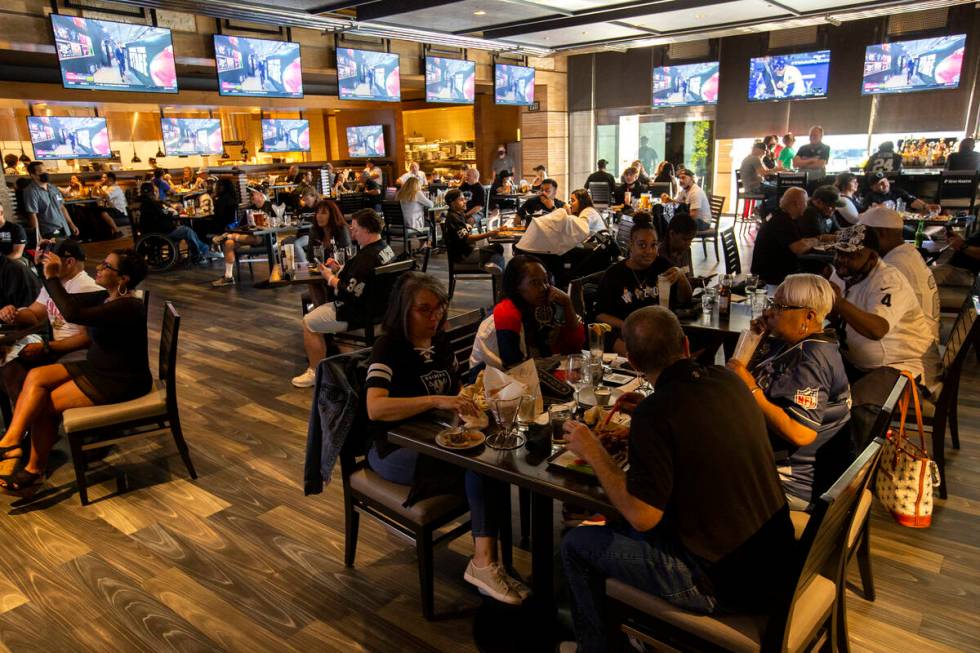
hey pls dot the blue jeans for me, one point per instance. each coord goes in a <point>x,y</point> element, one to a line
<point>183,232</point>
<point>657,564</point>
<point>399,467</point>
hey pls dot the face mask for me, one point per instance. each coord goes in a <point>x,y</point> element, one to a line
<point>43,177</point>
<point>501,154</point>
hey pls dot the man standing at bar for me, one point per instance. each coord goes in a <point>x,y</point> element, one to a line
<point>45,206</point>
<point>813,157</point>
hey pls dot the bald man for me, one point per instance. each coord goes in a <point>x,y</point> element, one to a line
<point>779,242</point>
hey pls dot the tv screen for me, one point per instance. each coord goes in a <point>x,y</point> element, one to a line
<point>907,66</point>
<point>69,138</point>
<point>450,80</point>
<point>513,85</point>
<point>685,85</point>
<point>103,55</point>
<point>789,76</point>
<point>285,135</point>
<point>366,142</point>
<point>187,136</point>
<point>365,75</point>
<point>258,67</point>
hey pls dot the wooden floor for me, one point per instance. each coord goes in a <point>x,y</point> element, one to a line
<point>240,560</point>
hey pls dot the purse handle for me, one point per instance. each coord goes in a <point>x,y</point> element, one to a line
<point>911,395</point>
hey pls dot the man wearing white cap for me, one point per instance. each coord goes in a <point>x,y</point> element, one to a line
<point>887,225</point>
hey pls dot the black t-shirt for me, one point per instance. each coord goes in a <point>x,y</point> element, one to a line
<point>355,279</point>
<point>699,451</point>
<point>11,234</point>
<point>599,177</point>
<point>772,258</point>
<point>636,189</point>
<point>884,162</point>
<point>963,161</point>
<point>455,231</point>
<point>623,290</point>
<point>813,223</point>
<point>474,194</point>
<point>961,260</point>
<point>819,151</point>
<point>19,286</point>
<point>888,199</point>
<point>154,218</point>
<point>535,206</point>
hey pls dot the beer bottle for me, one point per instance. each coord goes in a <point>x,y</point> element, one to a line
<point>920,234</point>
<point>725,297</point>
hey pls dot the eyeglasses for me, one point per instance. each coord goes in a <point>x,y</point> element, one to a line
<point>776,307</point>
<point>430,312</point>
<point>105,266</point>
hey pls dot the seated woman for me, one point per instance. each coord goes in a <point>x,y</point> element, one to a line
<point>632,284</point>
<point>797,377</point>
<point>503,183</point>
<point>846,215</point>
<point>534,319</point>
<point>157,218</point>
<point>413,370</point>
<point>230,242</point>
<point>580,205</point>
<point>665,174</point>
<point>459,240</point>
<point>115,369</point>
<point>328,233</point>
<point>414,203</point>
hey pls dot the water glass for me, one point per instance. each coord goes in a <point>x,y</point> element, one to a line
<point>708,298</point>
<point>558,414</point>
<point>751,283</point>
<point>526,413</point>
<point>576,373</point>
<point>595,372</point>
<point>340,255</point>
<point>597,341</point>
<point>758,299</point>
<point>318,253</point>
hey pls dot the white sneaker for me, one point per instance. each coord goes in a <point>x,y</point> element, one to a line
<point>522,590</point>
<point>305,380</point>
<point>568,647</point>
<point>492,581</point>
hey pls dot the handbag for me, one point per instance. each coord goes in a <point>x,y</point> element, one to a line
<point>906,475</point>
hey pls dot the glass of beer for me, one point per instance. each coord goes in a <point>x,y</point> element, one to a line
<point>557,416</point>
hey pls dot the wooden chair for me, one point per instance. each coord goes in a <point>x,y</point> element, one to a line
<point>717,203</point>
<point>601,195</point>
<point>729,247</point>
<point>466,271</point>
<point>809,614</point>
<point>395,225</point>
<point>96,427</point>
<point>376,300</point>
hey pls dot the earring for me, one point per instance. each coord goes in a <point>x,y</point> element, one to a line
<point>123,290</point>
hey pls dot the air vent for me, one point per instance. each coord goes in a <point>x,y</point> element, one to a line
<point>917,21</point>
<point>688,50</point>
<point>788,38</point>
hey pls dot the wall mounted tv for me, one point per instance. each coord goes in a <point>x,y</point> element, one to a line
<point>919,65</point>
<point>56,137</point>
<point>685,85</point>
<point>513,85</point>
<point>285,135</point>
<point>789,76</point>
<point>450,80</point>
<point>366,142</point>
<point>188,136</point>
<point>367,75</point>
<point>103,55</point>
<point>258,67</point>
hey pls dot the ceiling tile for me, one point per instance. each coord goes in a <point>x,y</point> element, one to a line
<point>460,16</point>
<point>819,5</point>
<point>572,35</point>
<point>573,5</point>
<point>726,12</point>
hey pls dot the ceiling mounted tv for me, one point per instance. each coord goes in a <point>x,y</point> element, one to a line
<point>685,85</point>
<point>285,135</point>
<point>513,85</point>
<point>789,76</point>
<point>57,137</point>
<point>451,81</point>
<point>188,136</point>
<point>908,66</point>
<point>258,67</point>
<point>103,55</point>
<point>367,75</point>
<point>366,142</point>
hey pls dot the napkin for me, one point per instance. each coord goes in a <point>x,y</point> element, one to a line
<point>520,380</point>
<point>279,210</point>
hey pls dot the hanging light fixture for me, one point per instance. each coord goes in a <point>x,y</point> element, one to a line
<point>132,140</point>
<point>160,153</point>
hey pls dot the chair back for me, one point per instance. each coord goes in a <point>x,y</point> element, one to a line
<point>729,247</point>
<point>958,189</point>
<point>461,331</point>
<point>392,212</point>
<point>577,292</point>
<point>965,331</point>
<point>599,190</point>
<point>717,203</point>
<point>623,230</point>
<point>167,368</point>
<point>786,180</point>
<point>658,188</point>
<point>350,202</point>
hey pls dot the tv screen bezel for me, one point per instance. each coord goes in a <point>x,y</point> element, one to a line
<point>287,96</point>
<point>261,127</point>
<point>790,99</point>
<point>686,104</point>
<point>513,104</point>
<point>120,89</point>
<point>372,99</point>
<point>425,71</point>
<point>73,157</point>
<point>164,140</point>
<point>912,90</point>
<point>370,156</point>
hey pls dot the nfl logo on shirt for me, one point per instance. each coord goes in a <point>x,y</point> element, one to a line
<point>806,398</point>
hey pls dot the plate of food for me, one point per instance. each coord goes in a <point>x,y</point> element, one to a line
<point>460,438</point>
<point>614,436</point>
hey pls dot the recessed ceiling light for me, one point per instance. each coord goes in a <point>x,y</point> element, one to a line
<point>479,12</point>
<point>699,16</point>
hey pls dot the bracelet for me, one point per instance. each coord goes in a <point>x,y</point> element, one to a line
<point>755,389</point>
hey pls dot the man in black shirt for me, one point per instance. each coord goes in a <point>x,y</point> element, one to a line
<point>817,218</point>
<point>886,159</point>
<point>545,202</point>
<point>13,239</point>
<point>19,286</point>
<point>371,189</point>
<point>882,192</point>
<point>779,241</point>
<point>965,158</point>
<point>459,241</point>
<point>711,527</point>
<point>631,184</point>
<point>813,157</point>
<point>601,176</point>
<point>475,194</point>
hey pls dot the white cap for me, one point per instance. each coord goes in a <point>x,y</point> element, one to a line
<point>881,217</point>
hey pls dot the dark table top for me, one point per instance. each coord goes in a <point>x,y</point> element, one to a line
<point>9,333</point>
<point>732,326</point>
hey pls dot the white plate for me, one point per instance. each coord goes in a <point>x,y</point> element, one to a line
<point>443,441</point>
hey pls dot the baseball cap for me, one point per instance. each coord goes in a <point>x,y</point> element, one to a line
<point>602,163</point>
<point>202,171</point>
<point>68,247</point>
<point>829,195</point>
<point>881,217</point>
<point>853,238</point>
<point>877,176</point>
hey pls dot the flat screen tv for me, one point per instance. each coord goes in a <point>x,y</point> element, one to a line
<point>919,65</point>
<point>56,137</point>
<point>451,81</point>
<point>513,85</point>
<point>285,135</point>
<point>188,136</point>
<point>685,85</point>
<point>367,75</point>
<point>789,76</point>
<point>102,55</point>
<point>258,67</point>
<point>366,142</point>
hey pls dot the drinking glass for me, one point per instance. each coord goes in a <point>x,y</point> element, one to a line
<point>595,372</point>
<point>758,299</point>
<point>576,373</point>
<point>558,414</point>
<point>505,413</point>
<point>318,253</point>
<point>597,341</point>
<point>751,283</point>
<point>526,414</point>
<point>340,255</point>
<point>708,298</point>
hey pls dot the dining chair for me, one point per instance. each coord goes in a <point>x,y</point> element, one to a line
<point>729,247</point>
<point>600,193</point>
<point>467,271</point>
<point>717,203</point>
<point>376,298</point>
<point>958,189</point>
<point>395,226</point>
<point>747,201</point>
<point>583,291</point>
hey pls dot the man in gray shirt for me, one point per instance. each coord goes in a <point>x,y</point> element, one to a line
<point>45,206</point>
<point>754,171</point>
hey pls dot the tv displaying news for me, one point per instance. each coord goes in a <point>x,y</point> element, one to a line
<point>187,136</point>
<point>366,142</point>
<point>513,85</point>
<point>685,85</point>
<point>56,137</point>
<point>103,55</point>
<point>908,66</point>
<point>789,76</point>
<point>450,80</point>
<point>258,67</point>
<point>285,135</point>
<point>367,75</point>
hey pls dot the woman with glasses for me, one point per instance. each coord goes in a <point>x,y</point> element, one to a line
<point>797,377</point>
<point>115,369</point>
<point>413,370</point>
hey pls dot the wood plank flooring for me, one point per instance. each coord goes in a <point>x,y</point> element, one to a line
<point>240,560</point>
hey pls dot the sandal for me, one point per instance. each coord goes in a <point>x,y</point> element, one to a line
<point>19,480</point>
<point>5,450</point>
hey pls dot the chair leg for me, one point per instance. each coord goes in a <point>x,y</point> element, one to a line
<point>452,285</point>
<point>704,247</point>
<point>506,535</point>
<point>78,462</point>
<point>716,247</point>
<point>185,453</point>
<point>423,549</point>
<point>864,561</point>
<point>352,520</point>
<point>954,422</point>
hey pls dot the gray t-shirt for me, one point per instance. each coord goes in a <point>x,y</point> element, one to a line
<point>46,203</point>
<point>505,163</point>
<point>751,179</point>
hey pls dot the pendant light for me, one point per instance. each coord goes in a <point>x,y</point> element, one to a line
<point>160,153</point>
<point>132,139</point>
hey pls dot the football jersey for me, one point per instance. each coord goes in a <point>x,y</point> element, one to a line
<point>907,260</point>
